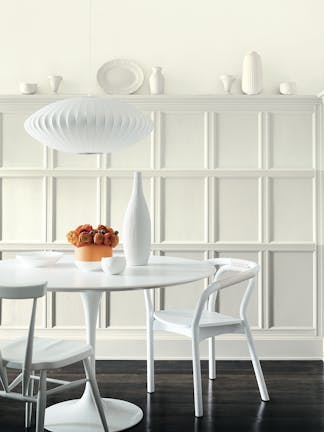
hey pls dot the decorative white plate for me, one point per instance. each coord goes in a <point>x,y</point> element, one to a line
<point>39,258</point>
<point>120,76</point>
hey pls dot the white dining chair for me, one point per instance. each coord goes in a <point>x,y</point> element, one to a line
<point>30,354</point>
<point>204,323</point>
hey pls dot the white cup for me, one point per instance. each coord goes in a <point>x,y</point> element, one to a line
<point>54,82</point>
<point>113,265</point>
<point>288,88</point>
<point>27,88</point>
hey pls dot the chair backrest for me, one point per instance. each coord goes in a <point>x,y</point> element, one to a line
<point>243,271</point>
<point>19,292</point>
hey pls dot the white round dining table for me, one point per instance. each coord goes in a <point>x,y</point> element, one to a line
<point>80,415</point>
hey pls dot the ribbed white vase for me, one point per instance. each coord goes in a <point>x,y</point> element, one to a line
<point>137,226</point>
<point>252,74</point>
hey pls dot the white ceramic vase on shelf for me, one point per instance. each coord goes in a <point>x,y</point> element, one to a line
<point>54,82</point>
<point>156,81</point>
<point>252,74</point>
<point>137,226</point>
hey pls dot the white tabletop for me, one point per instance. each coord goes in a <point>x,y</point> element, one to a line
<point>64,276</point>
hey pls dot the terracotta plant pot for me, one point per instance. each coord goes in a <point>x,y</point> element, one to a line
<point>92,252</point>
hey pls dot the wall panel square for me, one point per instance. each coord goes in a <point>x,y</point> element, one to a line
<point>291,140</point>
<point>119,196</point>
<point>17,313</point>
<point>126,309</point>
<point>74,161</point>
<point>237,140</point>
<point>135,157</point>
<point>68,310</point>
<point>19,149</point>
<point>236,209</point>
<point>183,201</point>
<point>291,289</point>
<point>291,209</point>
<point>183,140</point>
<point>230,298</point>
<point>23,209</point>
<point>183,296</point>
<point>76,203</point>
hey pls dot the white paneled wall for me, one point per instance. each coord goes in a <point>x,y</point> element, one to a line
<point>236,176</point>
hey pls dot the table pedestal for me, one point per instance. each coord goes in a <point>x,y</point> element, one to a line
<point>80,415</point>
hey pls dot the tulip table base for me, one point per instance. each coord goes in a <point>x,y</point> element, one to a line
<point>81,415</point>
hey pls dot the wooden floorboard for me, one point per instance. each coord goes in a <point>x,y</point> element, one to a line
<point>231,402</point>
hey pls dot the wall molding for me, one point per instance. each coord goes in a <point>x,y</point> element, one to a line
<point>273,340</point>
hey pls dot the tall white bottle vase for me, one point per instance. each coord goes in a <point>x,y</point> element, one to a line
<point>156,81</point>
<point>252,74</point>
<point>137,226</point>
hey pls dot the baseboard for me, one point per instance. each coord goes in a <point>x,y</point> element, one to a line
<point>130,344</point>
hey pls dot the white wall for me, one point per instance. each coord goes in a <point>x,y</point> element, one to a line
<point>195,41</point>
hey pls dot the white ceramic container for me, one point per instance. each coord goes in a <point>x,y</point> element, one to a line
<point>27,88</point>
<point>288,88</point>
<point>54,82</point>
<point>137,226</point>
<point>88,266</point>
<point>113,265</point>
<point>227,81</point>
<point>252,74</point>
<point>156,81</point>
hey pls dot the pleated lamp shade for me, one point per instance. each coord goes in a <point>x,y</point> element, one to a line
<point>88,125</point>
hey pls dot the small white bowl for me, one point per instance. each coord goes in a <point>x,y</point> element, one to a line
<point>113,265</point>
<point>27,88</point>
<point>88,266</point>
<point>38,258</point>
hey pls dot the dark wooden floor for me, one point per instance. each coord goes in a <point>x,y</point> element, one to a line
<point>231,402</point>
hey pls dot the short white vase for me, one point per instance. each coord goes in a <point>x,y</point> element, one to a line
<point>252,74</point>
<point>156,81</point>
<point>137,226</point>
<point>54,82</point>
<point>227,81</point>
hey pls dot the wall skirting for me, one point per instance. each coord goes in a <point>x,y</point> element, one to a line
<point>122,344</point>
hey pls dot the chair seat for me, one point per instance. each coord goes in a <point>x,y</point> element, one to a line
<point>47,353</point>
<point>183,318</point>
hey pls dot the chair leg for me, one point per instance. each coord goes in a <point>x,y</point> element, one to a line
<point>29,405</point>
<point>256,364</point>
<point>212,362</point>
<point>150,357</point>
<point>197,377</point>
<point>41,402</point>
<point>95,391</point>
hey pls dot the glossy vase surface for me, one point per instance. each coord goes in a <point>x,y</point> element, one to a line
<point>137,226</point>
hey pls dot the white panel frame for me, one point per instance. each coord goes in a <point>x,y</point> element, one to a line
<point>287,343</point>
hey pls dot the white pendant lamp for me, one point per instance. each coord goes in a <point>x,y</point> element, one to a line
<point>88,125</point>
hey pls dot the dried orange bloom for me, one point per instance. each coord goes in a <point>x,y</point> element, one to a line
<point>102,229</point>
<point>98,239</point>
<point>72,237</point>
<point>81,228</point>
<point>108,239</point>
<point>85,238</point>
<point>115,241</point>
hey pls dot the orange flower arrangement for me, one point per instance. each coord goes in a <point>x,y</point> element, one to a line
<point>85,235</point>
